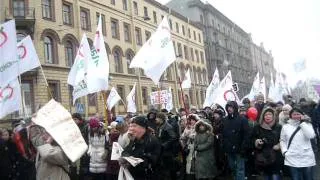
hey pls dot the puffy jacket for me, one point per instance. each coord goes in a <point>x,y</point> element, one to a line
<point>98,154</point>
<point>300,153</point>
<point>235,131</point>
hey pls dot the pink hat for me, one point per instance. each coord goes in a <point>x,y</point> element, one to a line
<point>94,122</point>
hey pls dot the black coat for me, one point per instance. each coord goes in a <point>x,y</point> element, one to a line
<point>235,132</point>
<point>147,148</point>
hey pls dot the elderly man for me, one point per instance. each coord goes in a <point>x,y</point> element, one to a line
<point>144,146</point>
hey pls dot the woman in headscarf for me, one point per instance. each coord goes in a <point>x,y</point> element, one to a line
<point>298,152</point>
<point>265,138</point>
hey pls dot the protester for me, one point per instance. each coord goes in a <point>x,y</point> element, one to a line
<point>284,114</point>
<point>52,163</point>
<point>98,144</point>
<point>235,139</point>
<point>259,105</point>
<point>144,146</point>
<point>168,138</point>
<point>296,146</point>
<point>113,165</point>
<point>265,138</point>
<point>205,164</point>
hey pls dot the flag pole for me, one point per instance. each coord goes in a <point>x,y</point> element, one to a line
<point>45,80</point>
<point>182,96</point>
<point>105,109</point>
<point>22,98</point>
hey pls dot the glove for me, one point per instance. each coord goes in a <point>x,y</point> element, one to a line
<point>258,143</point>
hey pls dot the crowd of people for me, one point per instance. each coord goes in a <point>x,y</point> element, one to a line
<point>190,144</point>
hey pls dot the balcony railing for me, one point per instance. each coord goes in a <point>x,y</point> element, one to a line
<point>20,13</point>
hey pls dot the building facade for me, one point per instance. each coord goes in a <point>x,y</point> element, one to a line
<point>227,46</point>
<point>56,28</point>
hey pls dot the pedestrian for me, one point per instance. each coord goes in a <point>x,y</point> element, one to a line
<point>265,138</point>
<point>143,145</point>
<point>205,164</point>
<point>235,139</point>
<point>284,114</point>
<point>217,126</point>
<point>296,145</point>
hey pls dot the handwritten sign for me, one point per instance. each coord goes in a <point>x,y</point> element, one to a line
<point>159,97</point>
<point>59,124</point>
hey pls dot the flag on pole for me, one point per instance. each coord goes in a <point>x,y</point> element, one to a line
<point>186,83</point>
<point>212,89</point>
<point>8,52</point>
<point>131,100</point>
<point>113,98</point>
<point>255,87</point>
<point>27,55</point>
<point>262,88</point>
<point>156,54</point>
<point>271,88</point>
<point>169,104</point>
<point>10,98</point>
<point>77,75</point>
<point>98,67</point>
<point>225,92</point>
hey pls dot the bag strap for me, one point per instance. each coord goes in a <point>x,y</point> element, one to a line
<point>292,136</point>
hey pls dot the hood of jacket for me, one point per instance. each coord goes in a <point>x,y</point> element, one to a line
<point>268,109</point>
<point>204,122</point>
<point>234,105</point>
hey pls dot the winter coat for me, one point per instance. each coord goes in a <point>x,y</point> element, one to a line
<point>187,140</point>
<point>167,137</point>
<point>205,166</point>
<point>51,162</point>
<point>271,137</point>
<point>113,165</point>
<point>98,153</point>
<point>235,131</point>
<point>147,148</point>
<point>300,153</point>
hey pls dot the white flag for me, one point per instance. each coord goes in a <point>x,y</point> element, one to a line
<point>98,67</point>
<point>27,55</point>
<point>262,88</point>
<point>131,100</point>
<point>211,92</point>
<point>10,98</point>
<point>169,104</point>
<point>186,83</point>
<point>225,92</point>
<point>113,98</point>
<point>77,75</point>
<point>156,54</point>
<point>255,87</point>
<point>271,89</point>
<point>8,52</point>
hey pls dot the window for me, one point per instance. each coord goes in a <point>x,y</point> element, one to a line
<point>194,35</point>
<point>169,74</point>
<point>67,13</point>
<point>170,23</point>
<point>201,18</point>
<point>129,57</point>
<point>177,27</point>
<point>85,19</point>
<point>117,61</point>
<point>155,17</point>
<point>113,2</point>
<point>202,57</point>
<point>145,11</point>
<point>135,8</point>
<point>174,46</point>
<point>197,55</point>
<point>54,87</point>
<point>192,55</point>
<point>127,32</point>
<point>18,8</point>
<point>69,53</point>
<point>189,33</point>
<point>47,9</point>
<point>199,77</point>
<point>138,36</point>
<point>103,22</point>
<point>48,50</point>
<point>148,35</point>
<point>115,28</point>
<point>92,99</point>
<point>199,37</point>
<point>20,36</point>
<point>70,90</point>
<point>212,22</point>
<point>185,49</point>
<point>120,90</point>
<point>144,95</point>
<point>125,5</point>
<point>180,50</point>
<point>183,32</point>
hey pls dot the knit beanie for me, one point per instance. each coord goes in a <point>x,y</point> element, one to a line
<point>141,121</point>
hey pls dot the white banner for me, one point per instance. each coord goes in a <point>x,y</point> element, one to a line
<point>262,88</point>
<point>113,98</point>
<point>225,92</point>
<point>8,52</point>
<point>131,100</point>
<point>59,124</point>
<point>255,88</point>
<point>186,83</point>
<point>10,98</point>
<point>211,92</point>
<point>159,97</point>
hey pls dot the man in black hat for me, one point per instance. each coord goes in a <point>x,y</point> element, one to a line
<point>144,146</point>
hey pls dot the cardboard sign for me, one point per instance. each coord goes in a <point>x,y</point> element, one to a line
<point>59,124</point>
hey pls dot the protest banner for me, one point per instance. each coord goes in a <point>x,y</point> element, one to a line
<point>161,97</point>
<point>59,124</point>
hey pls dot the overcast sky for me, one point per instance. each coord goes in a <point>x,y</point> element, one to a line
<point>290,28</point>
